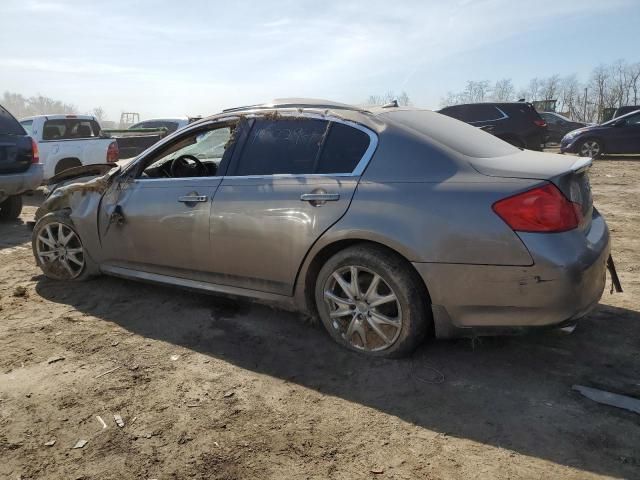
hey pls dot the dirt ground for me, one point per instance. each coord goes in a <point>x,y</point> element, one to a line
<point>214,388</point>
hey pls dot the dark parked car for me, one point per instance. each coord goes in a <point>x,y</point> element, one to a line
<point>517,123</point>
<point>624,110</point>
<point>559,125</point>
<point>387,224</point>
<point>620,135</point>
<point>20,169</point>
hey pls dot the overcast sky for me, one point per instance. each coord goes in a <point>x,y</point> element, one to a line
<point>165,58</point>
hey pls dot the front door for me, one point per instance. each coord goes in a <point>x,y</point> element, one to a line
<point>158,220</point>
<point>295,178</point>
<point>625,137</point>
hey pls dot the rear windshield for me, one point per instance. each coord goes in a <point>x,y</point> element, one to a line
<point>69,129</point>
<point>8,124</point>
<point>457,135</point>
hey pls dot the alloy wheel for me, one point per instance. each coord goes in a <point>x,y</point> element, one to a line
<point>590,148</point>
<point>60,251</point>
<point>363,308</point>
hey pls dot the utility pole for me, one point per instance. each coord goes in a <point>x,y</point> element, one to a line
<point>584,115</point>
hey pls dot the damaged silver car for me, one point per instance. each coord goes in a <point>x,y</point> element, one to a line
<point>389,224</point>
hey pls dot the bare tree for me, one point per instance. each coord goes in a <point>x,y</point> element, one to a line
<point>503,91</point>
<point>21,106</point>
<point>549,87</point>
<point>634,81</point>
<point>99,113</point>
<point>402,99</point>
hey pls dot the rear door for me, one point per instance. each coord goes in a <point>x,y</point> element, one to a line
<point>15,145</point>
<point>292,180</point>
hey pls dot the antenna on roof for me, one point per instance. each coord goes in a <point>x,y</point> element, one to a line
<point>392,104</point>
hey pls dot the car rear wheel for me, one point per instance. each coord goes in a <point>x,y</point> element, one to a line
<point>58,249</point>
<point>590,148</point>
<point>370,301</point>
<point>11,208</point>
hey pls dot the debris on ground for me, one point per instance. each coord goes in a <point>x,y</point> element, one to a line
<point>174,357</point>
<point>229,394</point>
<point>102,422</point>
<point>609,398</point>
<point>108,372</point>
<point>55,359</point>
<point>50,443</point>
<point>377,471</point>
<point>118,420</point>
<point>80,443</point>
<point>20,291</point>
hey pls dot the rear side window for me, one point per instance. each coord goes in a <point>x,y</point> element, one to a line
<point>343,149</point>
<point>282,146</point>
<point>8,124</point>
<point>69,129</point>
<point>480,113</point>
<point>28,126</point>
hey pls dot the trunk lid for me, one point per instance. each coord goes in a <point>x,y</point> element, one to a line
<point>568,173</point>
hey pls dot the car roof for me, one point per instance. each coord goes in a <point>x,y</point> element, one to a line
<point>60,116</point>
<point>295,102</point>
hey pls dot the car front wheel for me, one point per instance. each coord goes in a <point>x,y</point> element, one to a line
<point>590,148</point>
<point>58,249</point>
<point>370,301</point>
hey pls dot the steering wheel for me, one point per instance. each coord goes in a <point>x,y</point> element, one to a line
<point>187,166</point>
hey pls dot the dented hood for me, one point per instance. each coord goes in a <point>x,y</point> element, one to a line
<point>529,164</point>
<point>96,169</point>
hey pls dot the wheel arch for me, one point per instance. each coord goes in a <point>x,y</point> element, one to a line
<point>323,250</point>
<point>73,161</point>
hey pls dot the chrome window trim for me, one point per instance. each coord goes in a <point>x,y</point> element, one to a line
<point>504,115</point>
<point>357,171</point>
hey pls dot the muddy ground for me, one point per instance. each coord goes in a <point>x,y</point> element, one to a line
<point>213,388</point>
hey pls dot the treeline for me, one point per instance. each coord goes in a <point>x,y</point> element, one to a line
<point>21,106</point>
<point>608,86</point>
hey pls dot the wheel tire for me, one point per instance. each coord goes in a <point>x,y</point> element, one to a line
<point>11,208</point>
<point>47,227</point>
<point>590,145</point>
<point>66,164</point>
<point>397,276</point>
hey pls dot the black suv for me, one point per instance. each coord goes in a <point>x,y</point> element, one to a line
<point>20,169</point>
<point>517,123</point>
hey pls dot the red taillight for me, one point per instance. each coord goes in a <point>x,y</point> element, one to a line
<point>540,123</point>
<point>541,209</point>
<point>113,152</point>
<point>36,152</point>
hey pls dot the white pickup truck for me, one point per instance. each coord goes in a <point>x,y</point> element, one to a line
<point>67,141</point>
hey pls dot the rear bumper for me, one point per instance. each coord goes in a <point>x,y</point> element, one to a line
<point>565,282</point>
<point>17,183</point>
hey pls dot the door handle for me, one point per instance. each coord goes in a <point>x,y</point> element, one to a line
<point>320,197</point>
<point>192,198</point>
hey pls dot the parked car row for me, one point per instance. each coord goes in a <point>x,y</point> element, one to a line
<point>517,123</point>
<point>389,224</point>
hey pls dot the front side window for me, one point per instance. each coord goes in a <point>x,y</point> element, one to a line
<point>197,154</point>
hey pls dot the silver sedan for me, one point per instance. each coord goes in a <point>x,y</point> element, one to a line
<point>388,225</point>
